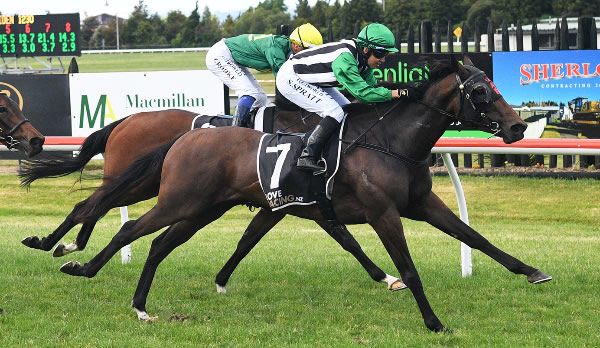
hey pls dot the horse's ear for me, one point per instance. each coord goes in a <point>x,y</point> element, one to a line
<point>460,68</point>
<point>467,61</point>
<point>453,61</point>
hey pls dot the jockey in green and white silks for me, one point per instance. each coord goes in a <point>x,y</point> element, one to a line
<point>231,58</point>
<point>309,79</point>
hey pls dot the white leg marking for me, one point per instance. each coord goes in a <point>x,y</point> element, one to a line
<point>221,289</point>
<point>68,248</point>
<point>141,314</point>
<point>393,283</point>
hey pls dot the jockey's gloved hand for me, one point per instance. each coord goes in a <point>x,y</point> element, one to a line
<point>399,93</point>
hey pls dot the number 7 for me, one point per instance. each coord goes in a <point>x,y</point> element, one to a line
<point>284,148</point>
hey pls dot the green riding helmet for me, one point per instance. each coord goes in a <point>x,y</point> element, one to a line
<point>378,37</point>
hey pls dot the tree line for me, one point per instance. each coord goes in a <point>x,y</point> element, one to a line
<point>333,18</point>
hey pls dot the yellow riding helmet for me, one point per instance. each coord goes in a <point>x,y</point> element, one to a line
<point>306,36</point>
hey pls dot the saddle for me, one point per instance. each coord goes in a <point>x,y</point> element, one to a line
<point>261,119</point>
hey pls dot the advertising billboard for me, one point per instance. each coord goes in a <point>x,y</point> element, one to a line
<point>561,86</point>
<point>97,99</point>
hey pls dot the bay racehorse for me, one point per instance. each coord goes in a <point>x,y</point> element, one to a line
<point>382,176</point>
<point>124,140</point>
<point>16,132</point>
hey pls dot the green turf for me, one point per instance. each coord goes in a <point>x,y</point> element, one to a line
<point>89,63</point>
<point>299,288</point>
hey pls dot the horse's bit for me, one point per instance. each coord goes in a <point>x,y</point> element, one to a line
<point>6,136</point>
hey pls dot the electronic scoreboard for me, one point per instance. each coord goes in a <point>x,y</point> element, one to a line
<point>40,35</point>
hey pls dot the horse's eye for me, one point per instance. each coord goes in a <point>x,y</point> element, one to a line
<point>2,109</point>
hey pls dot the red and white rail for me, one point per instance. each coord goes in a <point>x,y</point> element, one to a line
<point>546,146</point>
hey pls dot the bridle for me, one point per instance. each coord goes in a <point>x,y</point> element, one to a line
<point>6,137</point>
<point>477,92</point>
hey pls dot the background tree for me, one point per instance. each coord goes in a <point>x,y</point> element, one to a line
<point>260,21</point>
<point>272,5</point>
<point>319,16</point>
<point>188,34</point>
<point>137,16</point>
<point>173,24</point>
<point>88,28</point>
<point>208,32</point>
<point>362,12</point>
<point>576,8</point>
<point>403,13</point>
<point>345,17</point>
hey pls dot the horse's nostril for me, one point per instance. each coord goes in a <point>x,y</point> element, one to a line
<point>518,128</point>
<point>37,142</point>
<point>36,146</point>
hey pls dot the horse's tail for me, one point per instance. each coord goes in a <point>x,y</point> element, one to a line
<point>143,170</point>
<point>93,145</point>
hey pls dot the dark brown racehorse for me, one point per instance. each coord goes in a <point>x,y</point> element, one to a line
<point>16,132</point>
<point>124,140</point>
<point>382,177</point>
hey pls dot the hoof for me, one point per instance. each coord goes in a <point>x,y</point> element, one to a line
<point>397,285</point>
<point>32,242</point>
<point>73,268</point>
<point>142,315</point>
<point>445,330</point>
<point>59,251</point>
<point>538,277</point>
<point>221,289</point>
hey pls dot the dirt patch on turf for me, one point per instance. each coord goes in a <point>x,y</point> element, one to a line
<point>9,169</point>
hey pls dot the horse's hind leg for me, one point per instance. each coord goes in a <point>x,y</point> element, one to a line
<point>46,243</point>
<point>162,246</point>
<point>340,233</point>
<point>262,223</point>
<point>435,212</point>
<point>158,217</point>
<point>82,238</point>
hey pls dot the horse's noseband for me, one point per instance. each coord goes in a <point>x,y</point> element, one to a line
<point>6,133</point>
<point>477,91</point>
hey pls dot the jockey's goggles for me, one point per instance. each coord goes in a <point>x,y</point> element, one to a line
<point>380,53</point>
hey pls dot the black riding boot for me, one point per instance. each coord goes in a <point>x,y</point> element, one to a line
<point>312,152</point>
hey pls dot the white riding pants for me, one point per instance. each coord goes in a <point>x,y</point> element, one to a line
<point>238,78</point>
<point>323,101</point>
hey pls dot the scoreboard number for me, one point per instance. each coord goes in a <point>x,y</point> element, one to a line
<point>40,35</point>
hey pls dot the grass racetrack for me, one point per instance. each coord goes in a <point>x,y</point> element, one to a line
<point>299,288</point>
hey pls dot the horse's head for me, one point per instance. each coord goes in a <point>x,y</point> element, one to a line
<point>16,131</point>
<point>483,106</point>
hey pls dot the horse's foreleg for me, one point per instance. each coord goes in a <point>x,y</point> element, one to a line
<point>389,229</point>
<point>340,233</point>
<point>262,223</point>
<point>162,246</point>
<point>436,213</point>
<point>46,243</point>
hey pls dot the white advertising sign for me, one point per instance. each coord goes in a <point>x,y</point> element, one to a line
<point>97,99</point>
